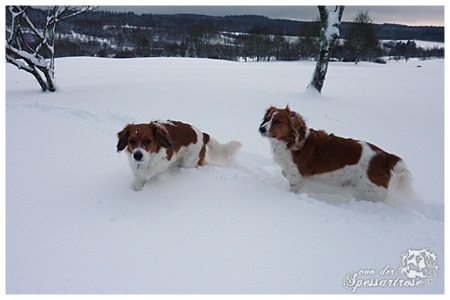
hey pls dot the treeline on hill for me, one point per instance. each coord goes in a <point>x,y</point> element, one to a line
<point>123,35</point>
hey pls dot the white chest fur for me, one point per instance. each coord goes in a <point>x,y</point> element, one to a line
<point>283,157</point>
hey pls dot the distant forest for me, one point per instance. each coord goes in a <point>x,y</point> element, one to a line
<point>121,35</point>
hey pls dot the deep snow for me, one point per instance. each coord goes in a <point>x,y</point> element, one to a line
<point>73,225</point>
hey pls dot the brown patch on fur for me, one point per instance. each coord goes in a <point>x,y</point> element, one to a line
<point>179,134</point>
<point>380,166</point>
<point>286,125</point>
<point>162,137</point>
<point>202,155</point>
<point>269,114</point>
<point>322,153</point>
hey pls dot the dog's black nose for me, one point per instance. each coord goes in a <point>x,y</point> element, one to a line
<point>262,129</point>
<point>138,155</point>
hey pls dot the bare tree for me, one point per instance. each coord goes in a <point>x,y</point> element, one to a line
<point>361,41</point>
<point>32,49</point>
<point>330,19</point>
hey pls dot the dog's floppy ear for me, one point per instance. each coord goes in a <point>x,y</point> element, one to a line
<point>298,123</point>
<point>123,138</point>
<point>162,137</point>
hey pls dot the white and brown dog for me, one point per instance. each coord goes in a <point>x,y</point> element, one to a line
<point>154,148</point>
<point>308,157</point>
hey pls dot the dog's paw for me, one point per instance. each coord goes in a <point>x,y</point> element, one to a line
<point>137,185</point>
<point>296,187</point>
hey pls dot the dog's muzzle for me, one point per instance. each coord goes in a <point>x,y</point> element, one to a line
<point>138,156</point>
<point>263,128</point>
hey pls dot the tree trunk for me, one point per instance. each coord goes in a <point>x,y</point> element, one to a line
<point>330,18</point>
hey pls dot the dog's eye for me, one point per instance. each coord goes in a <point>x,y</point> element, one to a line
<point>132,142</point>
<point>147,141</point>
<point>276,122</point>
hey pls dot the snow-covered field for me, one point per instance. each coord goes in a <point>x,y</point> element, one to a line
<point>425,44</point>
<point>73,225</point>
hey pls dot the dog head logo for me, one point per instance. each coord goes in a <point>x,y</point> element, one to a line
<point>419,264</point>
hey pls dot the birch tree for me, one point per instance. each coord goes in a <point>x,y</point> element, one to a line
<point>330,19</point>
<point>32,49</point>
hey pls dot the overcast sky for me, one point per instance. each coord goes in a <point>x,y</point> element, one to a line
<point>408,15</point>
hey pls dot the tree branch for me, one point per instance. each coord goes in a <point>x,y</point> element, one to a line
<point>18,48</point>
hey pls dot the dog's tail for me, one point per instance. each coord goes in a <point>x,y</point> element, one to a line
<point>218,152</point>
<point>401,180</point>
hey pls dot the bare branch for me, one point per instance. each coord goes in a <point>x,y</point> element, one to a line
<point>58,14</point>
<point>32,27</point>
<point>15,16</point>
<point>35,58</point>
<point>18,63</point>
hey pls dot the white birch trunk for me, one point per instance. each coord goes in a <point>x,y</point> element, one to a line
<point>330,17</point>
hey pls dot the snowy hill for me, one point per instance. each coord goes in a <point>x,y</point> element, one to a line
<point>73,225</point>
